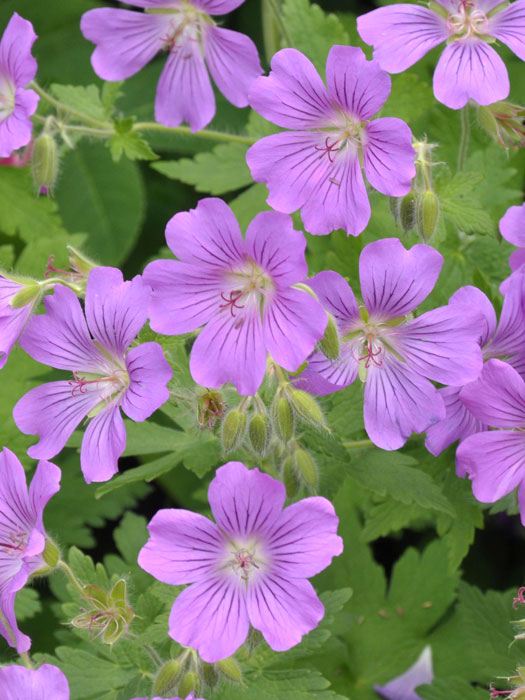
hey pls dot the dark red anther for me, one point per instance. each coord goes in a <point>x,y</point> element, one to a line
<point>329,148</point>
<point>231,301</point>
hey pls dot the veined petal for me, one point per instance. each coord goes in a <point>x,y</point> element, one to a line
<point>44,485</point>
<point>337,296</point>
<point>324,376</point>
<point>508,342</point>
<point>293,95</point>
<point>233,62</point>
<point>397,403</point>
<point>498,397</point>
<point>16,511</point>
<point>389,156</point>
<point>394,281</point>
<point>476,299</point>
<point>509,27</point>
<point>401,34</point>
<point>457,425</point>
<point>52,411</point>
<point>115,310</point>
<point>184,92</point>
<point>216,7</point>
<point>512,225</point>
<point>60,337</point>
<point>211,616</point>
<point>283,610</point>
<point>13,636</point>
<point>358,86</point>
<point>230,348</point>
<point>304,539</point>
<point>46,681</point>
<point>12,324</point>
<point>103,443</point>
<point>293,323</point>
<point>245,501</point>
<point>125,41</point>
<point>183,547</point>
<point>494,461</point>
<point>16,61</point>
<point>17,129</point>
<point>470,70</point>
<point>149,373</point>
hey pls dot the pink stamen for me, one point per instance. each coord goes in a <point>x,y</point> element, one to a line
<point>231,301</point>
<point>370,356</point>
<point>520,598</point>
<point>499,693</point>
<point>329,148</point>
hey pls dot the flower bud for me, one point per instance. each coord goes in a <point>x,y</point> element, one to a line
<point>79,262</point>
<point>407,212</point>
<point>28,294</point>
<point>306,468</point>
<point>44,163</point>
<point>209,675</point>
<point>189,683</point>
<point>329,343</point>
<point>289,476</point>
<point>427,214</point>
<point>166,679</point>
<point>258,431</point>
<point>210,408</point>
<point>307,408</point>
<point>504,122</point>
<point>51,554</point>
<point>233,429</point>
<point>231,669</point>
<point>395,205</point>
<point>283,418</point>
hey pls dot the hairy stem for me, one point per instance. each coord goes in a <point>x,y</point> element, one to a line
<point>357,444</point>
<point>76,582</point>
<point>465,138</point>
<point>208,134</point>
<point>26,660</point>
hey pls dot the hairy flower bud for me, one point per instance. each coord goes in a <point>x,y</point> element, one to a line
<point>307,408</point>
<point>29,294</point>
<point>233,429</point>
<point>44,163</point>
<point>427,214</point>
<point>283,418</point>
<point>166,679</point>
<point>231,669</point>
<point>306,468</point>
<point>289,476</point>
<point>210,675</point>
<point>329,343</point>
<point>504,122</point>
<point>407,212</point>
<point>190,683</point>
<point>259,432</point>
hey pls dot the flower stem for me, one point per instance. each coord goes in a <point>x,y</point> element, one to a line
<point>357,444</point>
<point>26,660</point>
<point>208,134</point>
<point>465,138</point>
<point>76,582</point>
<point>70,110</point>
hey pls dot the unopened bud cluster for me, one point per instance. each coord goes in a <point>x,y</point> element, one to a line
<point>189,675</point>
<point>504,122</point>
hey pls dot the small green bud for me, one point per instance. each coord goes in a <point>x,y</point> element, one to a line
<point>44,163</point>
<point>209,675</point>
<point>307,408</point>
<point>259,432</point>
<point>231,669</point>
<point>210,408</point>
<point>51,554</point>
<point>189,683</point>
<point>166,679</point>
<point>306,468</point>
<point>284,418</point>
<point>29,294</point>
<point>504,122</point>
<point>427,214</point>
<point>407,212</point>
<point>291,482</point>
<point>329,343</point>
<point>233,429</point>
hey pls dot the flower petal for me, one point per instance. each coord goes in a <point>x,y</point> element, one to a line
<point>443,344</point>
<point>404,687</point>
<point>512,225</point>
<point>337,297</point>
<point>44,485</point>
<point>211,616</point>
<point>358,86</point>
<point>304,540</point>
<point>52,411</point>
<point>458,423</point>
<point>508,342</point>
<point>184,92</point>
<point>509,27</point>
<point>13,636</point>
<point>216,7</point>
<point>293,95</point>
<point>60,337</point>
<point>12,321</point>
<point>397,403</point>
<point>125,41</point>
<point>16,131</point>
<point>283,610</point>
<point>476,299</point>
<point>293,323</point>
<point>233,62</point>
<point>149,374</point>
<point>103,443</point>
<point>115,310</point>
<point>16,511</point>
<point>470,70</point>
<point>389,156</point>
<point>498,397</point>
<point>183,547</point>
<point>401,34</point>
<point>394,281</point>
<point>16,61</point>
<point>494,461</point>
<point>47,681</point>
<point>324,376</point>
<point>230,349</point>
<point>245,501</point>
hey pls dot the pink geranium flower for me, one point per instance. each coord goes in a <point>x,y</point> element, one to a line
<point>44,683</point>
<point>17,69</point>
<point>22,536</point>
<point>512,228</point>
<point>469,68</point>
<point>316,166</point>
<point>127,40</point>
<point>249,567</point>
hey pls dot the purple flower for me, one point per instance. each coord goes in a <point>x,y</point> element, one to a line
<point>13,320</point>
<point>394,354</point>
<point>404,687</point>
<point>126,41</point>
<point>250,568</point>
<point>504,340</point>
<point>17,69</point>
<point>20,683</point>
<point>242,290</point>
<point>316,165</point>
<point>107,375</point>
<point>495,459</point>
<point>469,68</point>
<point>22,536</point>
<point>512,228</point>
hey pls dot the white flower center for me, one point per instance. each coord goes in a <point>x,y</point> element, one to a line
<point>246,288</point>
<point>245,559</point>
<point>7,98</point>
<point>186,24</point>
<point>108,385</point>
<point>467,21</point>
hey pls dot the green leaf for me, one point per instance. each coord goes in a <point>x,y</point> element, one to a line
<point>249,203</point>
<point>84,100</point>
<point>421,98</point>
<point>130,535</point>
<point>461,205</point>
<point>132,145</point>
<point>27,604</point>
<point>218,171</point>
<point>303,684</point>
<point>451,689</point>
